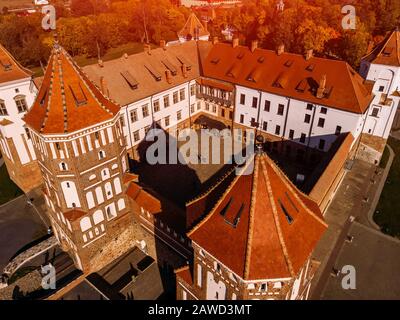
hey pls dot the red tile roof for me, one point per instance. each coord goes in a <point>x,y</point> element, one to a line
<point>185,274</point>
<point>74,215</point>
<point>387,52</point>
<point>144,199</point>
<point>10,69</point>
<point>276,228</point>
<point>67,101</point>
<point>290,75</point>
<point>193,28</point>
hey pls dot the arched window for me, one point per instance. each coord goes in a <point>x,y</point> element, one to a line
<point>105,174</point>
<point>102,154</point>
<point>98,217</point>
<point>63,166</point>
<point>85,224</point>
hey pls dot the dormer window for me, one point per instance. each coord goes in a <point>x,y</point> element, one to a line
<point>78,94</point>
<point>6,63</point>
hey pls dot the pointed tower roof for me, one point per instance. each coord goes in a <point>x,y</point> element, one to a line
<point>263,227</point>
<point>193,28</point>
<point>67,101</point>
<point>10,69</point>
<point>387,52</point>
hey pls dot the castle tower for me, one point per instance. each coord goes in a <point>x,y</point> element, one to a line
<point>194,30</point>
<point>17,93</point>
<point>76,133</point>
<point>256,243</point>
<point>381,70</point>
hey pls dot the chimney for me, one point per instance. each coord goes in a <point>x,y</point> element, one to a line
<point>322,87</point>
<point>147,48</point>
<point>100,62</point>
<point>163,44</point>
<point>168,76</point>
<point>184,70</point>
<point>309,54</point>
<point>254,45</point>
<point>235,42</point>
<point>280,49</point>
<point>215,40</point>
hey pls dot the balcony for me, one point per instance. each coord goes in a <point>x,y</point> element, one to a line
<point>213,99</point>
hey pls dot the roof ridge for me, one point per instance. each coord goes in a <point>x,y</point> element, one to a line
<point>213,187</point>
<point>208,216</point>
<point>62,88</point>
<point>27,71</point>
<point>276,219</point>
<point>49,93</point>
<point>251,218</point>
<point>294,190</point>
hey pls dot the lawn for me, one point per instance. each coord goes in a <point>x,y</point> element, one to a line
<point>387,214</point>
<point>8,189</point>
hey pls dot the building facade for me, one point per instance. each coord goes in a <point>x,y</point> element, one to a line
<point>247,247</point>
<point>77,135</point>
<point>17,93</point>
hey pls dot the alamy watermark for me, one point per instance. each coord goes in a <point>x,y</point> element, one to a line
<point>349,20</point>
<point>49,277</point>
<point>50,17</point>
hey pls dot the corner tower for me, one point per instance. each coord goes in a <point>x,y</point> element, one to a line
<point>76,133</point>
<point>256,243</point>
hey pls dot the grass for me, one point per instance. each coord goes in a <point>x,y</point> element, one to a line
<point>387,214</point>
<point>8,189</point>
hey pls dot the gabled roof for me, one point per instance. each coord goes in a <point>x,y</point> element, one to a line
<point>10,69</point>
<point>67,101</point>
<point>193,28</point>
<point>290,75</point>
<point>120,90</point>
<point>387,52</point>
<point>263,227</point>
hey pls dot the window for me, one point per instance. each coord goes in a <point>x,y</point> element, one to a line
<point>291,134</point>
<point>102,155</point>
<point>230,115</point>
<point>96,135</point>
<point>321,145</point>
<point>146,129</point>
<point>28,134</point>
<point>309,106</point>
<point>223,113</point>
<point>156,105</point>
<point>182,95</point>
<point>122,121</point>
<point>241,118</point>
<point>307,118</point>
<point>375,112</point>
<point>179,115</point>
<point>3,109</point>
<point>278,130</point>
<point>192,108</point>
<point>21,104</point>
<point>175,97</point>
<point>192,89</point>
<point>134,117</point>
<point>303,138</point>
<point>321,122</point>
<point>145,110</point>
<point>63,166</point>
<point>381,88</point>
<point>281,108</point>
<point>198,105</point>
<point>265,125</point>
<point>207,106</point>
<point>255,102</point>
<point>263,287</point>
<point>242,99</point>
<point>253,122</point>
<point>136,136</point>
<point>267,105</point>
<point>58,146</point>
<point>214,109</point>
<point>338,130</point>
<point>166,101</point>
<point>166,120</point>
<point>324,110</point>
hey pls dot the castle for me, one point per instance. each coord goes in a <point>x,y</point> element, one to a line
<point>74,133</point>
